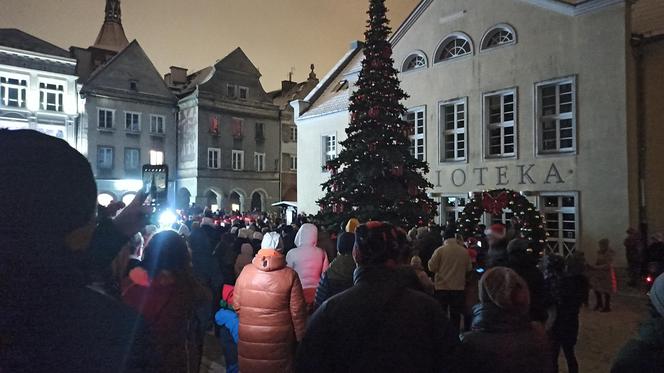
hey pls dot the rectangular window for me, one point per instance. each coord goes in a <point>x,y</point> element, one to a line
<point>260,135</point>
<point>104,157</point>
<point>156,157</point>
<point>293,134</point>
<point>417,122</point>
<point>244,92</point>
<point>157,124</point>
<point>561,221</point>
<point>452,206</point>
<point>231,90</point>
<point>132,122</point>
<point>556,118</point>
<point>453,131</point>
<point>293,162</point>
<point>500,119</point>
<point>13,91</point>
<point>238,160</point>
<point>105,118</point>
<point>237,129</point>
<point>329,148</point>
<point>132,159</point>
<point>259,162</point>
<point>214,158</point>
<point>51,96</point>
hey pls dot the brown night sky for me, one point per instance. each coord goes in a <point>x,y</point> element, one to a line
<point>275,34</point>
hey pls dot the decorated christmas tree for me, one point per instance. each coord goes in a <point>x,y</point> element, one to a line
<point>375,176</point>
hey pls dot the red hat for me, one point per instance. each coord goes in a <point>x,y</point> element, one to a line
<point>227,293</point>
<point>497,231</point>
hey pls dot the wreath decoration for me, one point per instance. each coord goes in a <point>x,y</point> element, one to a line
<point>494,202</point>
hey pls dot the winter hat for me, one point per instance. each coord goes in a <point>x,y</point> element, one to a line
<point>518,245</point>
<point>416,262</point>
<point>497,230</point>
<point>244,233</point>
<point>257,236</point>
<point>352,225</point>
<point>506,289</point>
<point>345,243</point>
<point>657,295</point>
<point>272,240</point>
<point>226,301</point>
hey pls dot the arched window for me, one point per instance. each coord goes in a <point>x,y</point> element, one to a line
<point>453,46</point>
<point>414,61</point>
<point>498,35</point>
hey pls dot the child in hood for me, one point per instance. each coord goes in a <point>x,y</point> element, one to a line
<point>228,323</point>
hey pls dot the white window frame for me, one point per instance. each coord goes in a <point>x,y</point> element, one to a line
<point>156,157</point>
<point>329,148</point>
<point>107,150</point>
<point>293,162</point>
<point>239,92</point>
<point>560,210</point>
<point>293,133</point>
<point>446,209</point>
<point>106,127</point>
<point>214,158</point>
<point>133,114</point>
<point>442,131</point>
<point>22,94</point>
<point>59,94</point>
<point>502,125</point>
<point>237,160</point>
<point>419,121</point>
<point>234,87</point>
<point>484,43</point>
<point>259,162</point>
<point>557,117</point>
<point>411,57</point>
<point>155,125</point>
<point>138,159</point>
<point>447,40</point>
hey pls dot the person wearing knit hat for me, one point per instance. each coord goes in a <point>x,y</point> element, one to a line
<point>270,305</point>
<point>339,275</point>
<point>643,354</point>
<point>502,336</point>
<point>497,254</point>
<point>352,225</point>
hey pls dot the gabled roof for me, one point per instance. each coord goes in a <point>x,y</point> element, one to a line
<point>237,61</point>
<point>17,39</point>
<point>130,63</point>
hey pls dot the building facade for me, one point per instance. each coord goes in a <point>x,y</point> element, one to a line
<point>288,171</point>
<point>129,116</point>
<point>498,103</point>
<point>228,137</point>
<point>37,86</point>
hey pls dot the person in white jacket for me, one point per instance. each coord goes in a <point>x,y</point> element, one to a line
<point>308,260</point>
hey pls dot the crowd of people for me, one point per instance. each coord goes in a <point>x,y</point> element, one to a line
<point>105,291</point>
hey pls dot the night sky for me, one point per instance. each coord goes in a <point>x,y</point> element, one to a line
<point>275,34</point>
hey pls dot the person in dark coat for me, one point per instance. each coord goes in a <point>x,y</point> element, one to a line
<point>205,267</point>
<point>496,236</point>
<point>427,244</point>
<point>339,275</point>
<point>288,236</point>
<point>643,354</point>
<point>523,262</point>
<point>633,254</point>
<point>50,320</point>
<point>569,290</point>
<point>502,340</point>
<point>378,325</point>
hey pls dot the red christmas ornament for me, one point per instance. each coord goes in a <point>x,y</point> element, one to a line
<point>374,112</point>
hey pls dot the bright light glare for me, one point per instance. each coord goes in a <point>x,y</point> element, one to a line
<point>167,218</point>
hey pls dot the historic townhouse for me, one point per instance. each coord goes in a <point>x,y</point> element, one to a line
<point>549,98</point>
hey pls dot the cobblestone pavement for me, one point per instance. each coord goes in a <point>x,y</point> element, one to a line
<point>601,335</point>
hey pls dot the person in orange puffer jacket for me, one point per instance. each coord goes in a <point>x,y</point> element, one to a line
<point>269,301</point>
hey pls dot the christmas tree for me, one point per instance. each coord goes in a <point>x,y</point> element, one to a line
<point>375,176</point>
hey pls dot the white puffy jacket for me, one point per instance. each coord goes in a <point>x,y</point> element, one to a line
<point>308,260</point>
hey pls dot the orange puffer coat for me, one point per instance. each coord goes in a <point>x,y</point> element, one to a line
<point>269,302</point>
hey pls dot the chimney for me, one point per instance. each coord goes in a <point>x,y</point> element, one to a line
<point>178,75</point>
<point>168,79</point>
<point>287,85</point>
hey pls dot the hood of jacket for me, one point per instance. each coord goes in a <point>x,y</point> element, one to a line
<point>487,317</point>
<point>268,260</point>
<point>342,268</point>
<point>247,250</point>
<point>307,236</point>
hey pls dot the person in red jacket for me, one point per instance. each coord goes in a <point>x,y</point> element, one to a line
<point>269,301</point>
<point>165,293</point>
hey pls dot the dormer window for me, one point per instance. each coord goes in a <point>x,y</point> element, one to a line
<point>454,46</point>
<point>414,61</point>
<point>497,36</point>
